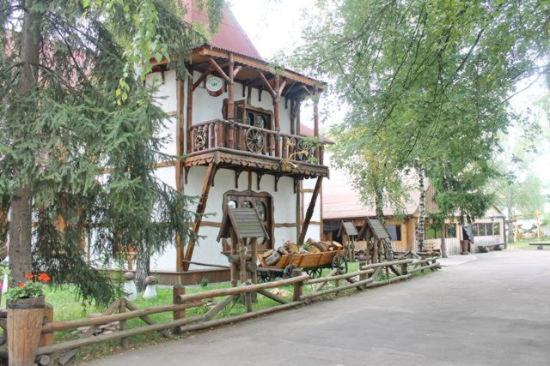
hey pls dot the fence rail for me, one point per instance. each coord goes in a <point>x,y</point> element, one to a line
<point>47,352</point>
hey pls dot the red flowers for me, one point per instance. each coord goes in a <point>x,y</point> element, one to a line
<point>21,285</point>
<point>44,277</point>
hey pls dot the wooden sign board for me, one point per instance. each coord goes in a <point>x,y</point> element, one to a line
<point>374,228</point>
<point>245,221</point>
<point>378,229</point>
<point>348,228</point>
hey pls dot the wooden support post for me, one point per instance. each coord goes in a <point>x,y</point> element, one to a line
<point>243,274</point>
<point>189,115</point>
<point>24,329</point>
<point>316,122</point>
<point>201,207</point>
<point>234,265</point>
<point>180,150</point>
<point>177,291</point>
<point>230,84</point>
<point>276,103</point>
<point>310,209</point>
<point>254,265</point>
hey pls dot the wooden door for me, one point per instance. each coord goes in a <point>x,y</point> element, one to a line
<point>262,202</point>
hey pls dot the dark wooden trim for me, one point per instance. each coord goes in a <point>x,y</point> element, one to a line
<point>189,114</point>
<point>230,84</point>
<point>201,206</point>
<point>180,150</point>
<point>218,68</point>
<point>203,77</point>
<point>310,209</point>
<point>258,65</point>
<point>298,218</point>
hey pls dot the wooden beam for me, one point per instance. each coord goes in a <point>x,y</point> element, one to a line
<point>201,207</point>
<point>310,209</point>
<point>267,84</point>
<point>297,187</point>
<point>218,68</point>
<point>236,72</point>
<point>203,76</point>
<point>276,108</point>
<point>180,150</point>
<point>189,115</point>
<point>230,84</point>
<point>258,65</point>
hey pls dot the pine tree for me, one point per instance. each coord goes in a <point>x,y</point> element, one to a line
<point>79,133</point>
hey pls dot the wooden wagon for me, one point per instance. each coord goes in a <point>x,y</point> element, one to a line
<point>312,263</point>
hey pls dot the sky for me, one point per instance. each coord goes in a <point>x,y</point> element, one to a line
<point>276,25</point>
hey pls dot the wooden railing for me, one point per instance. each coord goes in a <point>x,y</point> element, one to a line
<point>305,289</point>
<point>216,134</point>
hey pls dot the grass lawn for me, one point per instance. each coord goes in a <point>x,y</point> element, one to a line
<point>67,307</point>
<point>523,244</point>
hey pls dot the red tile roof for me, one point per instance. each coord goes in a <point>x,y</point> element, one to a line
<point>230,35</point>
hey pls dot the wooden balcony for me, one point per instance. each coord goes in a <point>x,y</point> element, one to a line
<point>240,147</point>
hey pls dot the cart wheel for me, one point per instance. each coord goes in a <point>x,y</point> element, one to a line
<point>314,273</point>
<point>339,262</point>
<point>287,272</point>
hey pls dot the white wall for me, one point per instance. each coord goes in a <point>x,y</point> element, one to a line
<point>205,108</point>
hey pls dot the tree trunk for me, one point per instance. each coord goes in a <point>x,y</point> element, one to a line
<point>510,227</point>
<point>379,205</point>
<point>142,269</point>
<point>20,231</point>
<point>421,213</point>
<point>443,243</point>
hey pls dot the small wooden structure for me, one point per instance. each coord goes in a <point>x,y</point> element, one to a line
<point>348,232</point>
<point>244,227</point>
<point>376,235</point>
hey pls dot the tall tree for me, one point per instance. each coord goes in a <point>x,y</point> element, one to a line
<point>427,83</point>
<point>80,132</point>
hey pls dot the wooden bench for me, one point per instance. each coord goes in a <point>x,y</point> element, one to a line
<point>485,247</point>
<point>540,244</point>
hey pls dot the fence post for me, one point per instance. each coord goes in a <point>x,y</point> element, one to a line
<point>177,291</point>
<point>47,338</point>
<point>123,325</point>
<point>298,290</point>
<point>24,329</point>
<point>404,269</point>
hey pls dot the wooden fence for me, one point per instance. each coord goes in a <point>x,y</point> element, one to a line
<point>49,352</point>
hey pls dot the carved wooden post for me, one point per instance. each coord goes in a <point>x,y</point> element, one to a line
<point>24,329</point>
<point>177,291</point>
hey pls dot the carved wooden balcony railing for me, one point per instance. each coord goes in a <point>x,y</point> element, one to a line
<point>294,155</point>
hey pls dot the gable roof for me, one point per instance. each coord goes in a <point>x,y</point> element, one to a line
<point>230,35</point>
<point>342,201</point>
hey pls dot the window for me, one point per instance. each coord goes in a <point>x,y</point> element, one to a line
<point>395,232</point>
<point>232,204</point>
<point>496,228</point>
<point>247,204</point>
<point>450,230</point>
<point>484,229</point>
